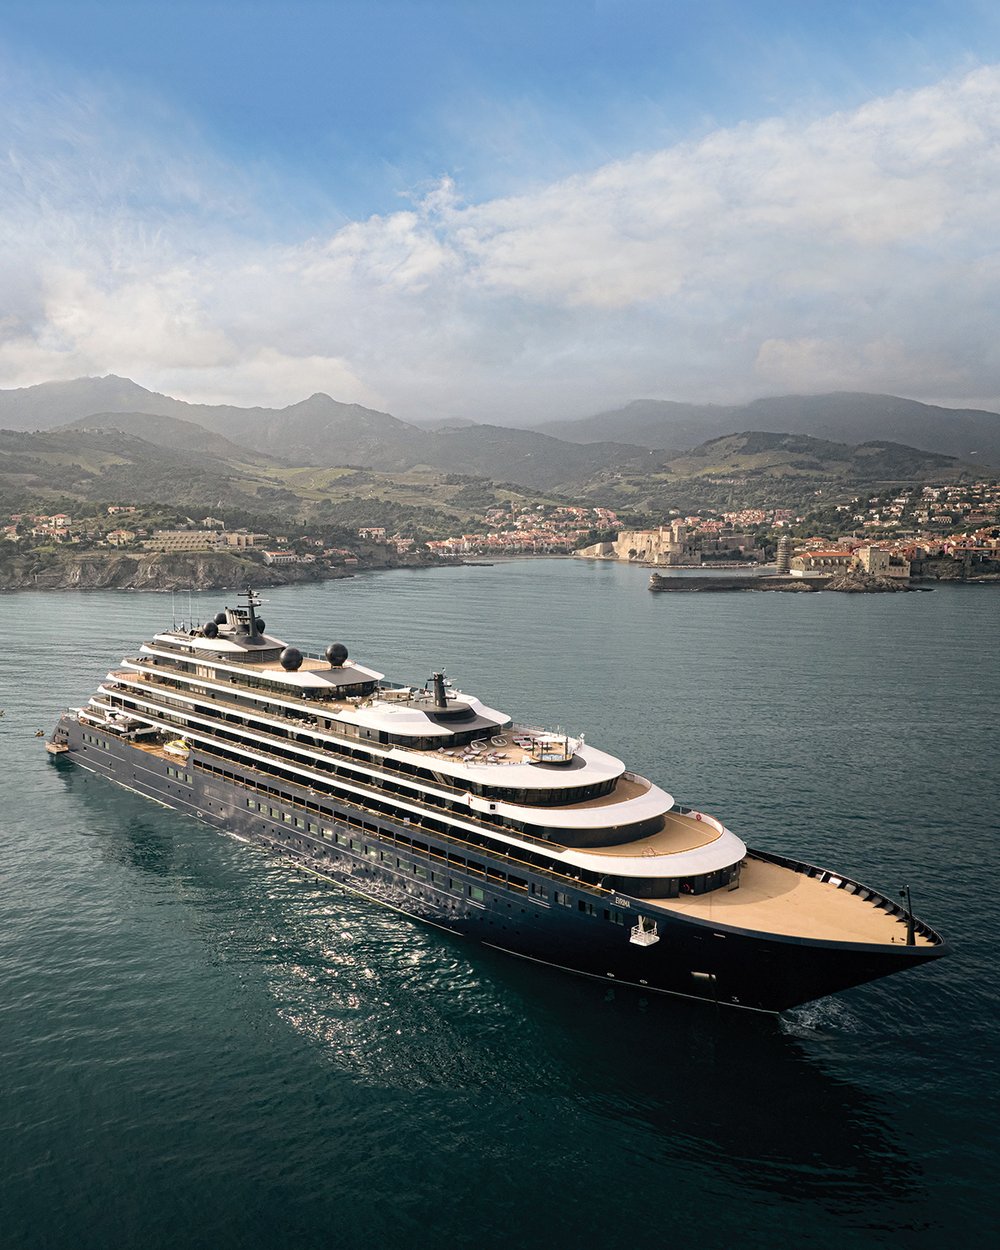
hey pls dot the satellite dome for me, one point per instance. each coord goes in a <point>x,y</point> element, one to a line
<point>336,653</point>
<point>220,618</point>
<point>211,630</point>
<point>260,624</point>
<point>290,659</point>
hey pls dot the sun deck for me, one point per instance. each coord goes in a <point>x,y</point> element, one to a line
<point>774,899</point>
<point>156,749</point>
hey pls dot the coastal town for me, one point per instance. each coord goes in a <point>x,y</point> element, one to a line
<point>933,530</point>
<point>539,530</point>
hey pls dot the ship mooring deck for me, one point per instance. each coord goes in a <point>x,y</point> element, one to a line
<point>775,899</point>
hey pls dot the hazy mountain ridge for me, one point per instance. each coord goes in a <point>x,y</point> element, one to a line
<point>316,431</point>
<point>846,417</point>
<point>173,433</point>
<point>320,431</point>
<point>753,468</point>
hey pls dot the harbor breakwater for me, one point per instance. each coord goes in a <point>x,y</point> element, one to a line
<point>847,583</point>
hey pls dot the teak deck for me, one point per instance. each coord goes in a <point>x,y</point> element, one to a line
<point>775,899</point>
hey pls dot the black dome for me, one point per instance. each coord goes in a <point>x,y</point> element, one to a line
<point>220,618</point>
<point>291,659</point>
<point>336,653</point>
<point>211,630</point>
<point>260,624</point>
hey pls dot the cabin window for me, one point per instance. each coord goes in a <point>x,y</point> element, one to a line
<point>476,893</point>
<point>564,900</point>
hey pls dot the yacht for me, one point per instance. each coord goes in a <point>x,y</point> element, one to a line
<point>426,800</point>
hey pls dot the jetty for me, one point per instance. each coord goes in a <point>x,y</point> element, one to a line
<point>853,582</point>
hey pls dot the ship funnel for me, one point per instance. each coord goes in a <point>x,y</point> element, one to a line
<point>440,698</point>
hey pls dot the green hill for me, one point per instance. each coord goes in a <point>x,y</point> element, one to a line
<point>71,465</point>
<point>762,469</point>
<point>100,465</point>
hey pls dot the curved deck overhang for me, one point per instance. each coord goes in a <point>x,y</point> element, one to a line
<point>603,813</point>
<point>683,848</point>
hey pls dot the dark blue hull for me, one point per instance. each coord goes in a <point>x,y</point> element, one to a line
<point>485,895</point>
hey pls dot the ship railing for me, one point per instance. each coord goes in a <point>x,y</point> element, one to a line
<point>383,768</point>
<point>389,834</point>
<point>383,796</point>
<point>339,769</point>
<point>218,700</point>
<point>325,764</point>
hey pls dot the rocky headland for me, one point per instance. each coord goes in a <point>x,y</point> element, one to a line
<point>208,570</point>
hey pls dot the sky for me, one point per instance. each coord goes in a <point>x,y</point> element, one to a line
<point>502,210</point>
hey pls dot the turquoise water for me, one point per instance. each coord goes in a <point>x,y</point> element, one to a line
<point>199,1049</point>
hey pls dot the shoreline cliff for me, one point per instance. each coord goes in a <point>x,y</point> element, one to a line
<point>158,571</point>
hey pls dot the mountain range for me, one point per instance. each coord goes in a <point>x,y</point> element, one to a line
<point>564,456</point>
<point>849,417</point>
<point>317,431</point>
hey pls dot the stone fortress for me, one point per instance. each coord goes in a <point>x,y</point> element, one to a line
<point>674,545</point>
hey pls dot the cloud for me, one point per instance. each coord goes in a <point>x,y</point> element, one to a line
<point>856,250</point>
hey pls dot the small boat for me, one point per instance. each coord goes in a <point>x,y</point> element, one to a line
<point>178,747</point>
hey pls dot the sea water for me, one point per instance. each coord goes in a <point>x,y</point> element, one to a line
<point>201,1049</point>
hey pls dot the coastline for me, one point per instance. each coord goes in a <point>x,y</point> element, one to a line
<point>162,572</point>
<point>159,572</point>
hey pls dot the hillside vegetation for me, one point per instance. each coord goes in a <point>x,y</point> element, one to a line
<point>73,465</point>
<point>107,439</point>
<point>764,469</point>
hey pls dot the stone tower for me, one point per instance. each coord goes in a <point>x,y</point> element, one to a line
<point>784,558</point>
